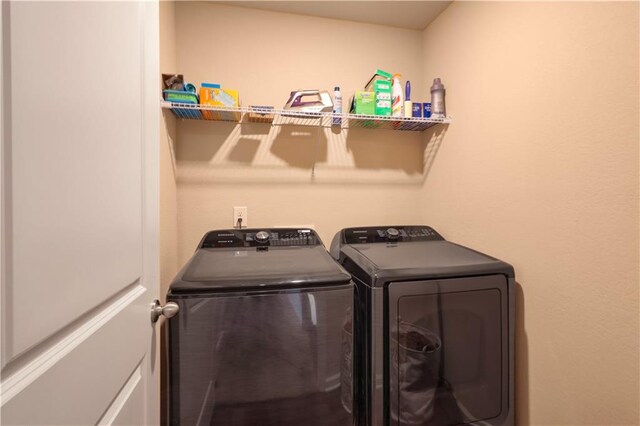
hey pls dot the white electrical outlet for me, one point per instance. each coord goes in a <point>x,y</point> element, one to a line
<point>240,213</point>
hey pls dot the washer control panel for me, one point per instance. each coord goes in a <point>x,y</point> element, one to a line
<point>274,237</point>
<point>389,234</point>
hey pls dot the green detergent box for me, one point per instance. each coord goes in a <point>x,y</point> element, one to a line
<point>365,102</point>
<point>380,85</point>
<point>382,92</point>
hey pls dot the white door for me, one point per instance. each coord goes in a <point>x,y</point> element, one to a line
<point>79,237</point>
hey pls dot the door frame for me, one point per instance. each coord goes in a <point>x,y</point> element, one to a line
<point>4,15</point>
<point>150,79</point>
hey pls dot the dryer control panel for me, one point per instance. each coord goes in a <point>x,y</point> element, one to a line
<point>270,237</point>
<point>389,234</point>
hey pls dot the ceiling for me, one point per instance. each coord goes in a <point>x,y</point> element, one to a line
<point>415,15</point>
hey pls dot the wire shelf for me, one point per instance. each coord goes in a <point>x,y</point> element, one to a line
<point>392,123</point>
<point>300,118</point>
<point>280,117</point>
<point>203,112</point>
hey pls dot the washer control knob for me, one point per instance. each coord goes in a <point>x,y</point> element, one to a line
<point>392,234</point>
<point>262,236</point>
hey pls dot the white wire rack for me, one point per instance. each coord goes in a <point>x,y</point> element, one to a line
<point>280,117</point>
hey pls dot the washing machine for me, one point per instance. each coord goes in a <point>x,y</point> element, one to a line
<point>434,327</point>
<point>263,333</point>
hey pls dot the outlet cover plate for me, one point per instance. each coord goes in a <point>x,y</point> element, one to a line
<point>240,212</point>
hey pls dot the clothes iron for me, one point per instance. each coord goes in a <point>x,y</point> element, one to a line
<point>309,101</point>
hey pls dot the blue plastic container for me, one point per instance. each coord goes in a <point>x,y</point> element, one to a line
<point>177,97</point>
<point>426,109</point>
<point>416,110</point>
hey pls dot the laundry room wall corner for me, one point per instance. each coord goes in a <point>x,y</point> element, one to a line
<point>541,169</point>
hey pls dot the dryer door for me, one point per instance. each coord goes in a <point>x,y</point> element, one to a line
<point>448,351</point>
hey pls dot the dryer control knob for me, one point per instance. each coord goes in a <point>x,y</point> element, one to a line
<point>392,234</point>
<point>262,236</point>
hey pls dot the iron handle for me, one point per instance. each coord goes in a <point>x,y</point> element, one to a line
<point>169,310</point>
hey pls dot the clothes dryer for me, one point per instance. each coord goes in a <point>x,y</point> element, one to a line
<point>434,327</point>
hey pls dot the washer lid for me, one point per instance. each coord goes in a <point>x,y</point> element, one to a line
<point>241,268</point>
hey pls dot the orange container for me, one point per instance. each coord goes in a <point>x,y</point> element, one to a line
<point>223,98</point>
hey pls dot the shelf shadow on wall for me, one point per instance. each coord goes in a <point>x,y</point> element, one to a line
<point>201,140</point>
<point>170,122</point>
<point>385,149</point>
<point>522,362</point>
<point>300,146</point>
<point>249,128</point>
<point>432,139</point>
<point>244,150</point>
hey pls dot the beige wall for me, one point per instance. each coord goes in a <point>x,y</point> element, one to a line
<point>362,176</point>
<point>540,168</point>
<point>168,189</point>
